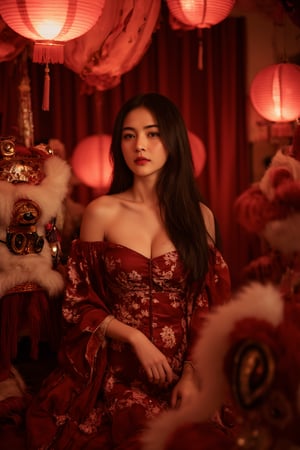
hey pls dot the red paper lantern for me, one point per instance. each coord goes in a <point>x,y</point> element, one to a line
<point>275,92</point>
<point>198,153</point>
<point>91,161</point>
<point>200,13</point>
<point>50,23</point>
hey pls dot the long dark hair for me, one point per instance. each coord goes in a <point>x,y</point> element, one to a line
<point>177,192</point>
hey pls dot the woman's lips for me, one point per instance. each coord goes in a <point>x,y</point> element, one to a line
<point>141,161</point>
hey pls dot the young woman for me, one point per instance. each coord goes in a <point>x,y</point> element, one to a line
<point>141,279</point>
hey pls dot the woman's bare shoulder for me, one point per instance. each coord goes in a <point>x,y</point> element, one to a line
<point>102,203</point>
<point>209,221</point>
<point>101,207</point>
<point>97,216</point>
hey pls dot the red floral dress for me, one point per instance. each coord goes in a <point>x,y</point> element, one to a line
<point>99,396</point>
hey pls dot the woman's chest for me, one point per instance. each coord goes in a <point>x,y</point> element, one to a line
<point>140,229</point>
<point>128,272</point>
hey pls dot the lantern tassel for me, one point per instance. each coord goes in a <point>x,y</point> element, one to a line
<point>200,55</point>
<point>200,50</point>
<point>46,94</point>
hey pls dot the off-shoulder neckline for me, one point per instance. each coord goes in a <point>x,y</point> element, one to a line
<point>113,244</point>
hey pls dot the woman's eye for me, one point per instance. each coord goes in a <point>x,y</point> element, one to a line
<point>128,136</point>
<point>154,134</point>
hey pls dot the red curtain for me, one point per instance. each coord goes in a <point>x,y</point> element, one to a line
<point>212,101</point>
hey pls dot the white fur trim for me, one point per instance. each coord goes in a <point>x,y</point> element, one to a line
<point>283,235</point>
<point>55,187</point>
<point>35,267</point>
<point>255,300</point>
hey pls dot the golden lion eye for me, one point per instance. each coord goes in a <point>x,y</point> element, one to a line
<point>25,212</point>
<point>253,373</point>
<point>7,147</point>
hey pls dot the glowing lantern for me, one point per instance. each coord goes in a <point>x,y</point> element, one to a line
<point>198,153</point>
<point>200,13</point>
<point>50,23</point>
<point>275,92</point>
<point>91,161</point>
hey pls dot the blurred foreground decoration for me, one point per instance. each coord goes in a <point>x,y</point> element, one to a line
<point>252,372</point>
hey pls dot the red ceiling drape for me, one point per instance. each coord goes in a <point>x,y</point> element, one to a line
<point>212,101</point>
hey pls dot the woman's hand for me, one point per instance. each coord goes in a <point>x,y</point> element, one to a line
<point>186,388</point>
<point>153,361</point>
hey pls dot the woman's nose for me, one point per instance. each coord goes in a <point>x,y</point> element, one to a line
<point>140,148</point>
<point>140,142</point>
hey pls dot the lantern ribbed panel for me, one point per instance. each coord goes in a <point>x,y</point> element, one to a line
<point>51,21</point>
<point>275,92</point>
<point>200,13</point>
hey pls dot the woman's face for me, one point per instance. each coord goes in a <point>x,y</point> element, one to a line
<point>141,144</point>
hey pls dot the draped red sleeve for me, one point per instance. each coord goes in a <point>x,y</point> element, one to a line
<point>68,395</point>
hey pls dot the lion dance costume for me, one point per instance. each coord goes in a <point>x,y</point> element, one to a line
<point>249,351</point>
<point>33,185</point>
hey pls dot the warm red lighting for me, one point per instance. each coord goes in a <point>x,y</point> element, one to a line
<point>50,23</point>
<point>91,162</point>
<point>275,92</point>
<point>200,13</point>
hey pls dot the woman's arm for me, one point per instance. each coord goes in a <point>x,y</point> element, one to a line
<point>153,360</point>
<point>209,221</point>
